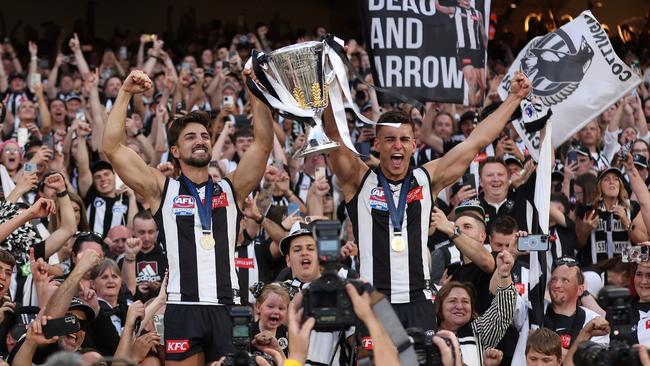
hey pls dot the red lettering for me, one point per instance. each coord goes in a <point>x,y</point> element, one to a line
<point>366,343</point>
<point>220,201</point>
<point>178,346</point>
<point>565,339</point>
<point>244,263</point>
<point>520,288</point>
<point>414,194</point>
<point>647,324</point>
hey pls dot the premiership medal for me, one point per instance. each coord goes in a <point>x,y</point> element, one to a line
<point>398,243</point>
<point>207,241</point>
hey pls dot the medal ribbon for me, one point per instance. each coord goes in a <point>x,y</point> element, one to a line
<point>204,208</point>
<point>396,214</point>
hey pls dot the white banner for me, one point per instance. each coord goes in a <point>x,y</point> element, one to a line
<point>575,72</point>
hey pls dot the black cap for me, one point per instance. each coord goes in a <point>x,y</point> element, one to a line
<point>18,320</point>
<point>507,158</point>
<point>298,229</point>
<point>101,165</point>
<point>581,150</point>
<point>208,71</point>
<point>616,171</point>
<point>469,115</point>
<point>471,204</point>
<point>77,303</point>
<point>640,160</point>
<point>17,74</point>
<point>73,96</point>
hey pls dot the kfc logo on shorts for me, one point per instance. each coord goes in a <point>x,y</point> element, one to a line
<point>565,339</point>
<point>183,205</point>
<point>178,346</point>
<point>366,343</point>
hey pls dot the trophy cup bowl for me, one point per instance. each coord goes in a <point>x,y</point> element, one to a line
<point>299,69</point>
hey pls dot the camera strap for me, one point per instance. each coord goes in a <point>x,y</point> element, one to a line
<point>387,317</point>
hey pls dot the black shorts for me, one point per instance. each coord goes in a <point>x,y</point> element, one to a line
<point>191,329</point>
<point>470,57</point>
<point>418,314</point>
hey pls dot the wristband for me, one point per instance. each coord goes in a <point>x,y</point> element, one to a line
<point>290,362</point>
<point>130,260</point>
<point>62,194</point>
<point>504,277</point>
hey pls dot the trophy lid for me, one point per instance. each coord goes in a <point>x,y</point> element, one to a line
<point>295,47</point>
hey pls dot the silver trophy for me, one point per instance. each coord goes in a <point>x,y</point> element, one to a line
<point>300,71</point>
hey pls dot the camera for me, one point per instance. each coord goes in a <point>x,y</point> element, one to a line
<point>427,353</point>
<point>533,243</point>
<point>326,298</point>
<point>616,301</point>
<point>241,337</point>
<point>635,254</point>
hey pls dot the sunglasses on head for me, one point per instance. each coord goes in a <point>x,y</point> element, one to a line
<point>568,261</point>
<point>88,234</point>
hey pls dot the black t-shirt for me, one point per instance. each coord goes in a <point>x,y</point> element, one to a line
<point>567,327</point>
<point>515,205</point>
<point>266,269</point>
<point>480,281</point>
<point>149,266</point>
<point>281,334</point>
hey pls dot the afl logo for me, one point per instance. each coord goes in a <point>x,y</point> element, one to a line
<point>377,194</point>
<point>183,205</point>
<point>555,66</point>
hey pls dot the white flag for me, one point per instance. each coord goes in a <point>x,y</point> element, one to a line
<point>575,72</point>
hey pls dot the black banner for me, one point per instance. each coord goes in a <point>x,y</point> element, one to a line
<point>425,49</point>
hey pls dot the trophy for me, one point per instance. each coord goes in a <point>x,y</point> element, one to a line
<point>297,76</point>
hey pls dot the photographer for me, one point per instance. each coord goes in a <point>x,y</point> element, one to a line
<point>455,311</point>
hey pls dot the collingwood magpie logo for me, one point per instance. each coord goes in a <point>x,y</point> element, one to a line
<point>555,66</point>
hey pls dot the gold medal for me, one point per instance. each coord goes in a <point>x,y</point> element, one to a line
<point>398,243</point>
<point>207,242</point>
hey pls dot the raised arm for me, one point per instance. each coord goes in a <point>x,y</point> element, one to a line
<point>43,110</point>
<point>452,165</point>
<point>347,166</point>
<point>82,158</point>
<point>75,46</point>
<point>53,76</point>
<point>252,166</point>
<point>126,162</point>
<point>68,225</point>
<point>427,135</point>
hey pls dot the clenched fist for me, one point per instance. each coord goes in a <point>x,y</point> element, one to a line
<point>137,82</point>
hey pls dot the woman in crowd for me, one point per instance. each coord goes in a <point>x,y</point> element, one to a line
<point>113,299</point>
<point>455,312</point>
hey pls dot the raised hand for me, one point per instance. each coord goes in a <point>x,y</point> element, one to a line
<point>132,247</point>
<point>87,260</point>
<point>137,82</point>
<point>27,182</point>
<point>74,43</point>
<point>33,48</point>
<point>143,345</point>
<point>35,332</point>
<point>56,182</point>
<point>505,261</point>
<point>166,168</point>
<point>42,208</point>
<point>520,86</point>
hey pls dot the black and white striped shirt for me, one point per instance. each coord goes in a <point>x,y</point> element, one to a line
<point>401,276</point>
<point>468,22</point>
<point>103,213</point>
<point>197,275</point>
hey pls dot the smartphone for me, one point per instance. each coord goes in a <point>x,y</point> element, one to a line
<point>232,54</point>
<point>469,180</point>
<point>186,66</point>
<point>364,149</point>
<point>150,37</point>
<point>533,243</point>
<point>572,157</point>
<point>228,100</point>
<point>48,141</point>
<point>23,136</point>
<point>35,80</point>
<point>29,167</point>
<point>320,172</point>
<point>159,325</point>
<point>635,254</point>
<point>293,207</point>
<point>123,53</point>
<point>625,150</point>
<point>61,326</point>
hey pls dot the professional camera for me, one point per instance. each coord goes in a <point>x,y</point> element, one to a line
<point>326,298</point>
<point>596,354</point>
<point>428,353</point>
<point>616,301</point>
<point>241,339</point>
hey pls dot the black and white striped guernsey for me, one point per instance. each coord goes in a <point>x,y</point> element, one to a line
<point>197,275</point>
<point>401,276</point>
<point>103,213</point>
<point>468,22</point>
